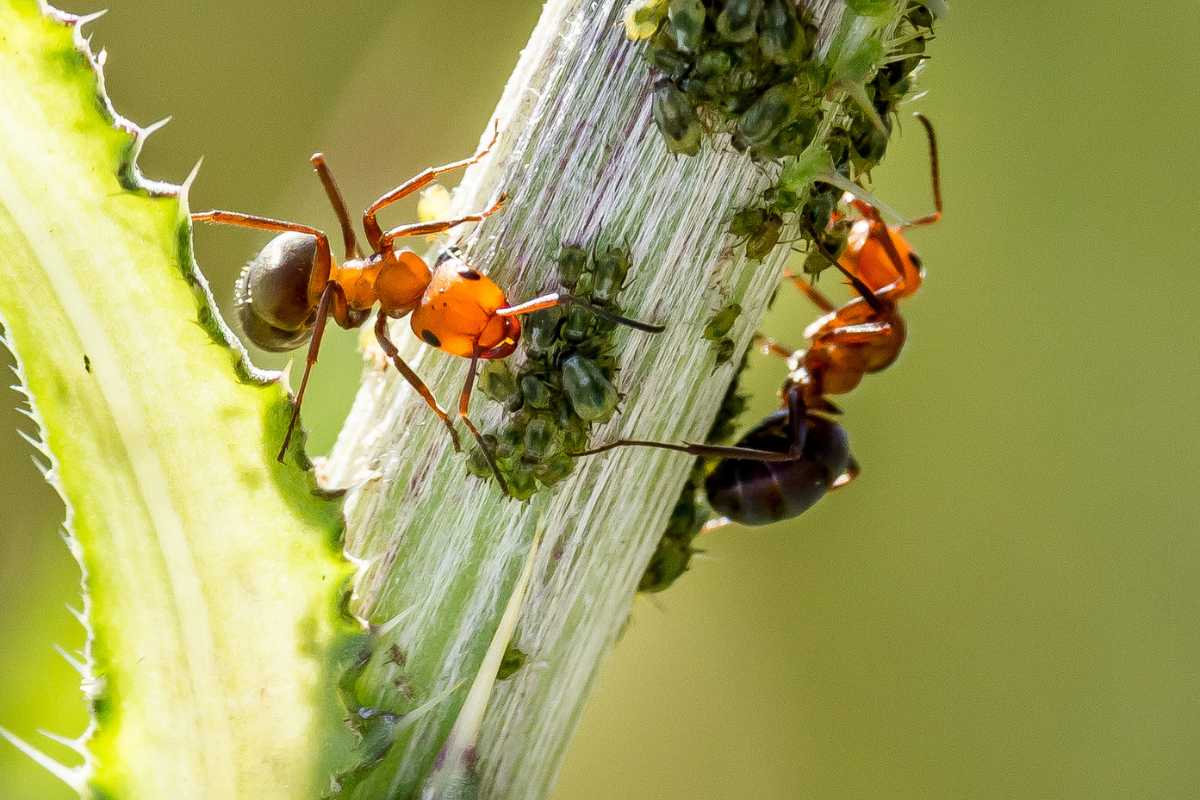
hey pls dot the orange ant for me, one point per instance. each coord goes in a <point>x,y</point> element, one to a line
<point>790,460</point>
<point>289,290</point>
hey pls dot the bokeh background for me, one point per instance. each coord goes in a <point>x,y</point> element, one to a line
<point>1004,606</point>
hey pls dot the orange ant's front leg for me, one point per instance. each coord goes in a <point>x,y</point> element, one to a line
<point>310,360</point>
<point>413,379</point>
<point>819,300</point>
<point>437,226</point>
<point>418,181</point>
<point>464,406</point>
<point>771,347</point>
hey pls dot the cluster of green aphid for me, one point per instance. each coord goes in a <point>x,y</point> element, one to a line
<point>856,143</point>
<point>674,552</point>
<point>739,65</point>
<point>567,382</point>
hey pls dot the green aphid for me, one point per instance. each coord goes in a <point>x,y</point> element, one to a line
<point>510,441</point>
<point>512,660</point>
<point>535,391</point>
<point>791,141</point>
<point>665,57</point>
<point>497,382</point>
<point>867,143</point>
<point>763,241</point>
<point>521,483</point>
<point>477,463</point>
<point>774,110</point>
<point>591,394</point>
<point>687,23</point>
<point>713,64</point>
<point>746,221</point>
<point>543,437</point>
<point>724,350</point>
<point>737,20</point>
<point>781,37</point>
<point>572,262</point>
<point>583,287</point>
<point>642,18</point>
<point>612,265</point>
<point>555,468</point>
<point>578,325</point>
<point>722,322</point>
<point>666,566</point>
<point>675,118</point>
<point>541,331</point>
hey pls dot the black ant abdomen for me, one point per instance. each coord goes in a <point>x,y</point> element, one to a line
<point>272,293</point>
<point>757,492</point>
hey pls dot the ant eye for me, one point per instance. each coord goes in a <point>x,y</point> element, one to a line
<point>272,293</point>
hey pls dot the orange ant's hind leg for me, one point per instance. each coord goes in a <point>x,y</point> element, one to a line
<point>324,257</point>
<point>418,181</point>
<point>413,379</point>
<point>464,406</point>
<point>310,360</point>
<point>437,226</point>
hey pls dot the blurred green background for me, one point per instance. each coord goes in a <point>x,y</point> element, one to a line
<point>1004,605</point>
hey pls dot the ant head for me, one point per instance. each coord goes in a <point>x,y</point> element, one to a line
<point>272,296</point>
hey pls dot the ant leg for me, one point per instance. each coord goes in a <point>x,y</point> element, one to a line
<point>706,450</point>
<point>437,226</point>
<point>338,202</point>
<point>413,379</point>
<point>562,299</point>
<point>819,300</point>
<point>418,181</point>
<point>310,360</point>
<point>771,347</point>
<point>464,405</point>
<point>324,260</point>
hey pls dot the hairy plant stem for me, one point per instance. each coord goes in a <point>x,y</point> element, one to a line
<point>582,162</point>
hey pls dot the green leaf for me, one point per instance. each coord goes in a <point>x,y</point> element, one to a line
<point>213,575</point>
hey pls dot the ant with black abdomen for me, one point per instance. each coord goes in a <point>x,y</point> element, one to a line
<point>786,463</point>
<point>287,293</point>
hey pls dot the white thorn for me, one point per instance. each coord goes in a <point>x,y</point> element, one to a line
<point>154,127</point>
<point>71,777</point>
<point>87,18</point>
<point>101,57</point>
<point>78,665</point>
<point>32,440</point>
<point>191,178</point>
<point>73,744</point>
<point>77,614</point>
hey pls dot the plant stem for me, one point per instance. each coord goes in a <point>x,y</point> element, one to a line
<point>582,162</point>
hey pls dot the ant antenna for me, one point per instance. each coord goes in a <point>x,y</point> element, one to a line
<point>338,203</point>
<point>935,174</point>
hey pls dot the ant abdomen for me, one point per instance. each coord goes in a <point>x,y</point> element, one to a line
<point>272,297</point>
<point>761,492</point>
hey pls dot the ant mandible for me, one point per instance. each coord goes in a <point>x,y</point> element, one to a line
<point>786,463</point>
<point>289,290</point>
